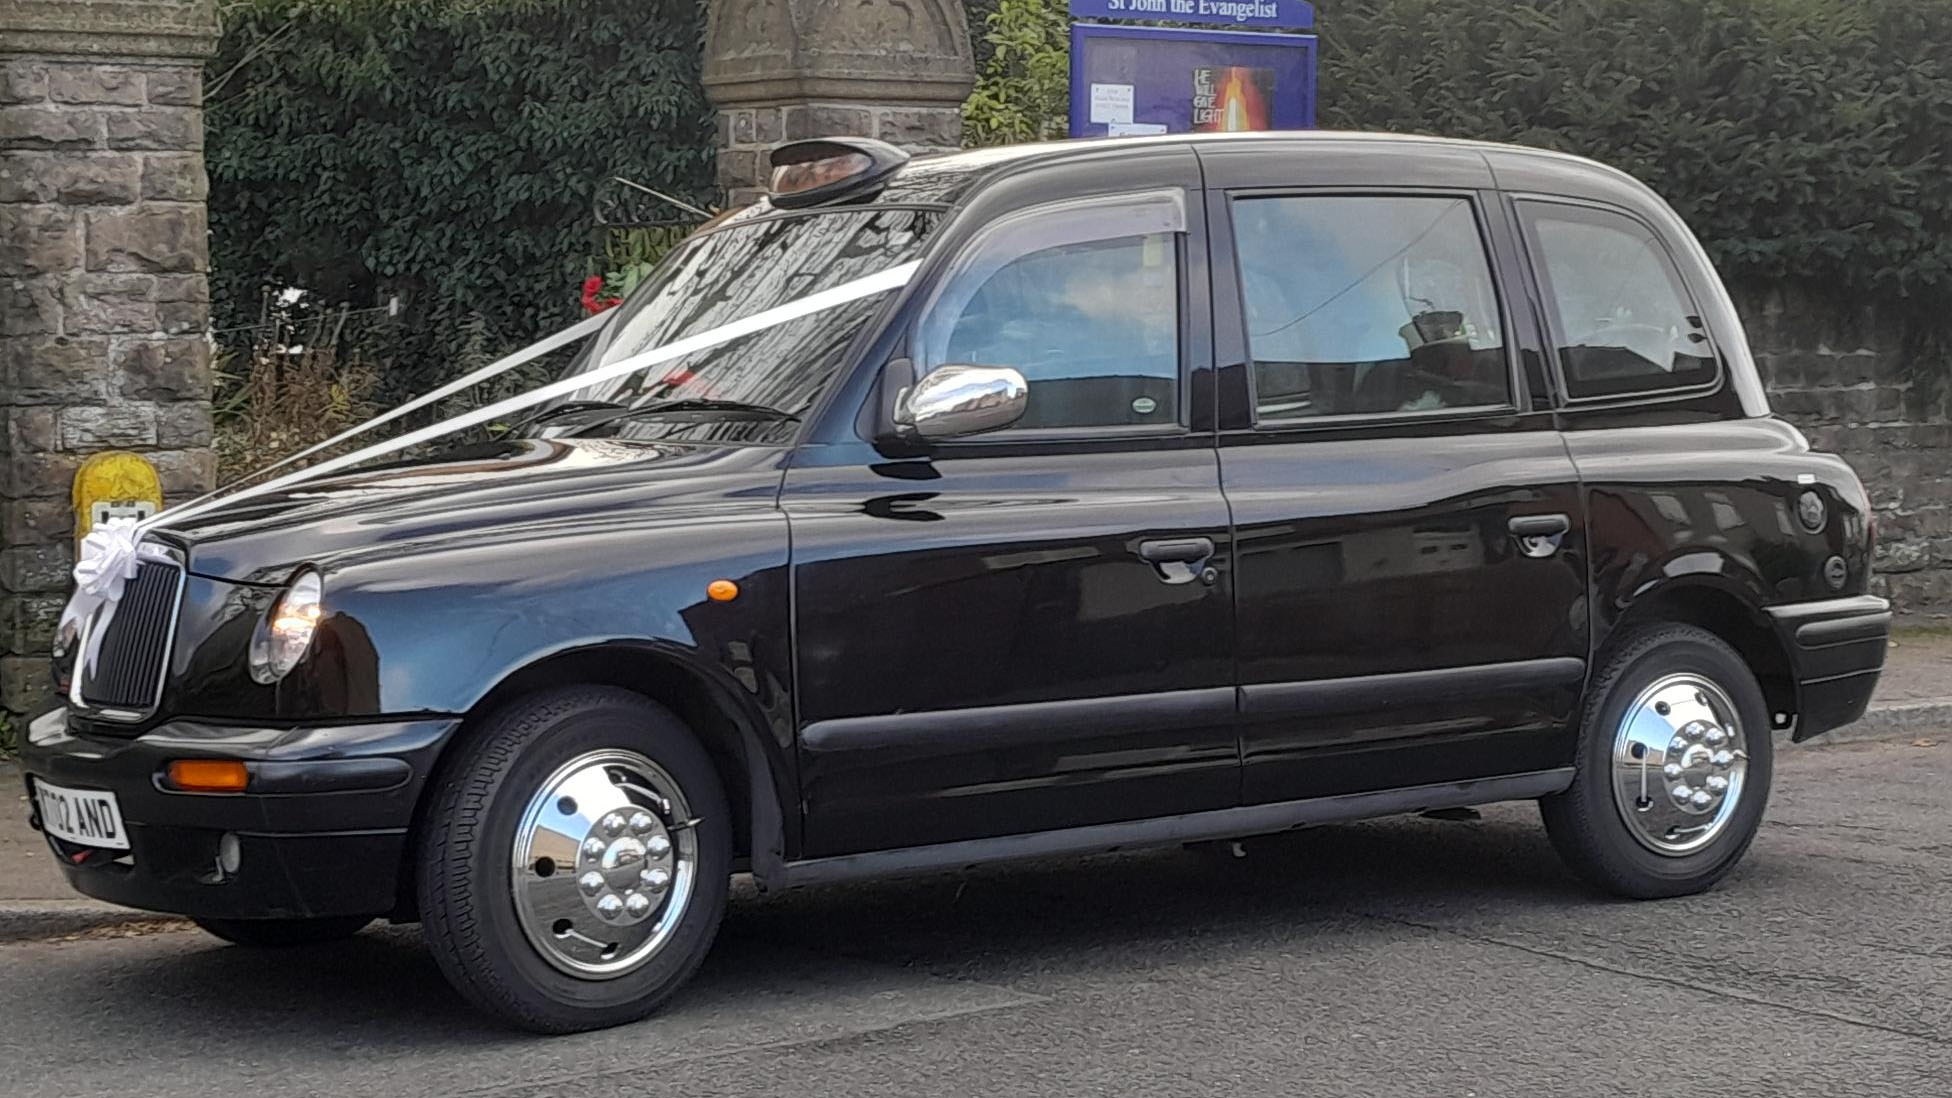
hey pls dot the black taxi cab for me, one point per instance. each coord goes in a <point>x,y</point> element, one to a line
<point>1174,489</point>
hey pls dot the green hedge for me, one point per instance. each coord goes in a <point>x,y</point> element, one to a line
<point>444,149</point>
<point>449,149</point>
<point>1805,140</point>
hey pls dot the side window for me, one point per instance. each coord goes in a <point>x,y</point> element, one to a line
<point>1621,316</point>
<point>1368,305</point>
<point>1091,321</point>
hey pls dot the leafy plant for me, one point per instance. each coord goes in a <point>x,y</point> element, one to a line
<point>9,738</point>
<point>630,255</point>
<point>1024,87</point>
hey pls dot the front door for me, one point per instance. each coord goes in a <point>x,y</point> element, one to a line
<point>1410,544</point>
<point>1031,629</point>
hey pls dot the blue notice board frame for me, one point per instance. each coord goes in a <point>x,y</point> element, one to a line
<point>1258,14</point>
<point>1163,64</point>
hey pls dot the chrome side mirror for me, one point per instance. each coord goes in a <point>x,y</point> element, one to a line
<point>956,400</point>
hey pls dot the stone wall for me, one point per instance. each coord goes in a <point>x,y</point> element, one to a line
<point>1846,379</point>
<point>784,70</point>
<point>103,294</point>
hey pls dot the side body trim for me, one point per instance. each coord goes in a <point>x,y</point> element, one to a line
<point>1013,725</point>
<point>1259,819</point>
<point>1265,701</point>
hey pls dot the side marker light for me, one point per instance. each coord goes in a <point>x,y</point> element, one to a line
<point>207,775</point>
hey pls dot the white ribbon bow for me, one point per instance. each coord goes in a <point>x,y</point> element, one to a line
<point>106,563</point>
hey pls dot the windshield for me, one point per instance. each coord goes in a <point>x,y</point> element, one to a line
<point>756,261</point>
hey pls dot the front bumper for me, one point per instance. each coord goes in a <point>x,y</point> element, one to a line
<point>1836,649</point>
<point>321,828</point>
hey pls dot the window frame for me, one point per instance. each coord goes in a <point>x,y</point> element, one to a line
<point>1549,316</point>
<point>1090,208</point>
<point>1517,390</point>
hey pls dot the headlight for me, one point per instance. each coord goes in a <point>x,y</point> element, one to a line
<point>283,637</point>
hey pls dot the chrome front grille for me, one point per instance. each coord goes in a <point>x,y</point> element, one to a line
<point>127,677</point>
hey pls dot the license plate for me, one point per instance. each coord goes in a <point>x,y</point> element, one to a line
<point>85,817</point>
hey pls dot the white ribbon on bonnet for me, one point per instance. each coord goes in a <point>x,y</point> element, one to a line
<point>109,557</point>
<point>111,552</point>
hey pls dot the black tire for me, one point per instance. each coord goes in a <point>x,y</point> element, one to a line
<point>1584,822</point>
<point>466,851</point>
<point>284,933</point>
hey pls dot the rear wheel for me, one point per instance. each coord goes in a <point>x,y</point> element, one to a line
<point>575,861</point>
<point>280,933</point>
<point>1673,770</point>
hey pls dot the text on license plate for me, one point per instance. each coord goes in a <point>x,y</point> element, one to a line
<point>83,816</point>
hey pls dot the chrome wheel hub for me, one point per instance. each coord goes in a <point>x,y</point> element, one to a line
<point>1679,760</point>
<point>604,864</point>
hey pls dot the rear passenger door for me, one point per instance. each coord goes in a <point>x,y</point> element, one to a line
<point>1410,567</point>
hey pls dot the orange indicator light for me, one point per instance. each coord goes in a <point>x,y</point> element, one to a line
<point>722,590</point>
<point>207,775</point>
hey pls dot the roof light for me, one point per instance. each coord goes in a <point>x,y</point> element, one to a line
<point>808,173</point>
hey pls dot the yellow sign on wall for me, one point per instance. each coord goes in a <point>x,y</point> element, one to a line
<point>115,484</point>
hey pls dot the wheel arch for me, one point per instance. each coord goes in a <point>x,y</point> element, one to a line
<point>729,723</point>
<point>1730,613</point>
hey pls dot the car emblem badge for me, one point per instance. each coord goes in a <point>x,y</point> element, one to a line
<point>1811,512</point>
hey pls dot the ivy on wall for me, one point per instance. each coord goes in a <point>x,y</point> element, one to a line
<point>444,150</point>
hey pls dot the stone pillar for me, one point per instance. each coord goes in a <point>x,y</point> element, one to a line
<point>782,70</point>
<point>104,299</point>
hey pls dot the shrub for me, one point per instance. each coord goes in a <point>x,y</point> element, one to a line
<point>444,150</point>
<point>295,386</point>
<point>1803,139</point>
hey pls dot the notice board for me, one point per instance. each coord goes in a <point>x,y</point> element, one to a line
<point>1131,81</point>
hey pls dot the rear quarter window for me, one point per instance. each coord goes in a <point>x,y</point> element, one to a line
<point>1623,321</point>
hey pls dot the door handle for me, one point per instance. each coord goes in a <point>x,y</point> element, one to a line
<point>1181,560</point>
<point>1539,535</point>
<point>1539,526</point>
<point>1176,550</point>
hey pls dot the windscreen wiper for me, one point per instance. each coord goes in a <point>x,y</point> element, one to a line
<point>691,404</point>
<point>566,408</point>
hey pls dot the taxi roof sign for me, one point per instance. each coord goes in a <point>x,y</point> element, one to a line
<point>827,169</point>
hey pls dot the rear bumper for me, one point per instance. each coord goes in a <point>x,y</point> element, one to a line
<point>1836,650</point>
<point>321,829</point>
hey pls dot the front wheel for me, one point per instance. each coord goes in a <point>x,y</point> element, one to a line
<point>575,861</point>
<point>1673,767</point>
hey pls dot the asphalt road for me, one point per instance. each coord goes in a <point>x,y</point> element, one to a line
<point>1404,957</point>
